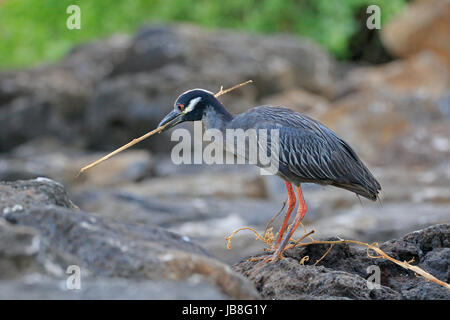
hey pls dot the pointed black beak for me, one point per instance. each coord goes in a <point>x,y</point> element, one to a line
<point>172,119</point>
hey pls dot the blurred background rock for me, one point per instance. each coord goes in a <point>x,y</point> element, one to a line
<point>69,96</point>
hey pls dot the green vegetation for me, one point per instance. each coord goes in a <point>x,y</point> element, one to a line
<point>33,31</point>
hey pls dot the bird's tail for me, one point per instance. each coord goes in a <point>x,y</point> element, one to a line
<point>371,193</point>
<point>364,184</point>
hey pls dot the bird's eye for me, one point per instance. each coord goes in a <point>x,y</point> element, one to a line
<point>180,107</point>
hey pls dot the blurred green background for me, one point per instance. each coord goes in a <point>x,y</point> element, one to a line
<point>33,31</point>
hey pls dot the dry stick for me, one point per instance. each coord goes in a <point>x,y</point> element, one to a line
<point>324,255</point>
<point>274,217</point>
<point>129,144</point>
<point>300,239</point>
<point>309,234</point>
<point>221,91</point>
<point>148,134</point>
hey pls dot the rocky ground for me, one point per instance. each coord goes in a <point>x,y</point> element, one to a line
<point>43,233</point>
<point>141,227</point>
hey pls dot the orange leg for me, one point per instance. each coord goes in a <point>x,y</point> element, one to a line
<point>301,211</point>
<point>302,208</point>
<point>291,205</point>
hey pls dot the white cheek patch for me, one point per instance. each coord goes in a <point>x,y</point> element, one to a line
<point>192,104</point>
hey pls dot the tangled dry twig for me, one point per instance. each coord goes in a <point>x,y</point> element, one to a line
<point>381,254</point>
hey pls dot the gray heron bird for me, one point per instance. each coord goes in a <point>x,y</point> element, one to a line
<point>308,150</point>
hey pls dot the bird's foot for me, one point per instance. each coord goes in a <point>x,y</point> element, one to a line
<point>277,255</point>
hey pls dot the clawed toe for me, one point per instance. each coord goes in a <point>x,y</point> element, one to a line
<point>268,258</point>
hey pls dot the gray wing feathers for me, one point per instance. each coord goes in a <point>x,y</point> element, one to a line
<point>310,152</point>
<point>325,160</point>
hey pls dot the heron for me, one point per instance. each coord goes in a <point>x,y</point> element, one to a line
<point>309,152</point>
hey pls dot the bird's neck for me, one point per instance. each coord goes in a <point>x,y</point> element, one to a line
<point>216,116</point>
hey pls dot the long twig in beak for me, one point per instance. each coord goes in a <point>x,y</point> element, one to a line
<point>124,147</point>
<point>148,134</point>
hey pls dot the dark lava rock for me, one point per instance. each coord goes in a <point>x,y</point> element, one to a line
<point>274,61</point>
<point>108,248</point>
<point>105,247</point>
<point>23,253</point>
<point>51,100</point>
<point>42,233</point>
<point>24,195</point>
<point>287,279</point>
<point>107,288</point>
<point>343,272</point>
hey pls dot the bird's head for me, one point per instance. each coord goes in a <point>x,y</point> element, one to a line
<point>189,106</point>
